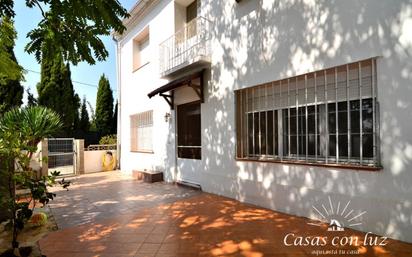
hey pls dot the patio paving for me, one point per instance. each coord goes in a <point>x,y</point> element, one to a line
<point>164,220</point>
<point>106,194</point>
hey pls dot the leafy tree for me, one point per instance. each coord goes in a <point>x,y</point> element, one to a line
<point>56,91</point>
<point>84,123</point>
<point>73,26</point>
<point>11,91</point>
<point>6,8</point>
<point>10,71</point>
<point>104,107</point>
<point>31,100</point>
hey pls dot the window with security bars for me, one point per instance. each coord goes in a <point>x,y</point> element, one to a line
<point>327,116</point>
<point>141,129</point>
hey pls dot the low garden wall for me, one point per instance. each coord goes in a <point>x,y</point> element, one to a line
<point>99,158</point>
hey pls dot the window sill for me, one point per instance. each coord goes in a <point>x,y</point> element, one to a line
<point>140,67</point>
<point>323,165</point>
<point>141,151</point>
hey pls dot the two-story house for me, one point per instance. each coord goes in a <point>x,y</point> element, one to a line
<point>282,104</point>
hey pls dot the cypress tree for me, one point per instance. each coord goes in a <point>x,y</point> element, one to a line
<point>104,107</point>
<point>77,105</point>
<point>11,91</point>
<point>84,123</point>
<point>31,100</point>
<point>56,91</point>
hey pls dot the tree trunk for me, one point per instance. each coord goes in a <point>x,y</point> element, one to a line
<point>4,190</point>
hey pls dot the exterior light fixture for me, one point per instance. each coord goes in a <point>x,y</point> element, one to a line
<point>167,116</point>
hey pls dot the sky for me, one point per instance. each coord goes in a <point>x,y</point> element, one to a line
<point>27,19</point>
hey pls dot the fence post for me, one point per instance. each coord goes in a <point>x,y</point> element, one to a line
<point>79,156</point>
<point>44,153</point>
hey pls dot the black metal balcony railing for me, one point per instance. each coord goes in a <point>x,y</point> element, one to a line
<point>188,45</point>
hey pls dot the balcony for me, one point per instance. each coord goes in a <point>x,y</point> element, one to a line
<point>187,48</point>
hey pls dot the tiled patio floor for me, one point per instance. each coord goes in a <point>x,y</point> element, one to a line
<point>191,224</point>
<point>108,194</point>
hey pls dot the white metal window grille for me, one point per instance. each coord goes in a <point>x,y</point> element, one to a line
<point>142,131</point>
<point>327,116</point>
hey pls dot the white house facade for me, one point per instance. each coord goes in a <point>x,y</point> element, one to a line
<point>282,104</point>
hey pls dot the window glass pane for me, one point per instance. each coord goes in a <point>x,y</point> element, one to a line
<point>302,146</point>
<point>321,119</point>
<point>189,131</point>
<point>354,116</point>
<point>144,51</point>
<point>189,153</point>
<point>263,133</point>
<point>270,132</point>
<point>293,121</point>
<point>256,132</point>
<point>332,118</point>
<point>343,146</point>
<point>332,146</point>
<point>367,115</point>
<point>302,121</point>
<point>355,145</point>
<point>311,145</point>
<point>321,146</point>
<point>367,145</point>
<point>250,133</point>
<point>293,146</point>
<point>311,119</point>
<point>285,126</point>
<point>343,122</point>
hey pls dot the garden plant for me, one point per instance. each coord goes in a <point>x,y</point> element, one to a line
<point>21,130</point>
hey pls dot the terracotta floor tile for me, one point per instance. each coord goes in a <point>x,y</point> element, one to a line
<point>169,248</point>
<point>155,238</point>
<point>145,255</point>
<point>149,248</point>
<point>164,220</point>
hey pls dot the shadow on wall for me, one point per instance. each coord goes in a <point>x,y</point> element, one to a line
<point>298,37</point>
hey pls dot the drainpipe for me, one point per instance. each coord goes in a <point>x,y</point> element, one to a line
<point>119,102</point>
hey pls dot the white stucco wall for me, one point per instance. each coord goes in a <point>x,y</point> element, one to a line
<point>261,41</point>
<point>137,84</point>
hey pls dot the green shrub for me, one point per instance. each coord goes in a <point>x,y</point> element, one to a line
<point>108,140</point>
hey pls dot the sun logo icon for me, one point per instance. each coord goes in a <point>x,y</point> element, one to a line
<point>337,217</point>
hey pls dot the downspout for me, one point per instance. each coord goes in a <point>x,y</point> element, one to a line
<point>119,102</point>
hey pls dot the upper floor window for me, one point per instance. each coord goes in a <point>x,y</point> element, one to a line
<point>191,15</point>
<point>141,49</point>
<point>141,132</point>
<point>328,116</point>
<point>191,11</point>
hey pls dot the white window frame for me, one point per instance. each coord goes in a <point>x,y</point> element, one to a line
<point>141,132</point>
<point>141,49</point>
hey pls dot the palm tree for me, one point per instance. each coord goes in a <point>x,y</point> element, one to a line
<point>20,132</point>
<point>32,124</point>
